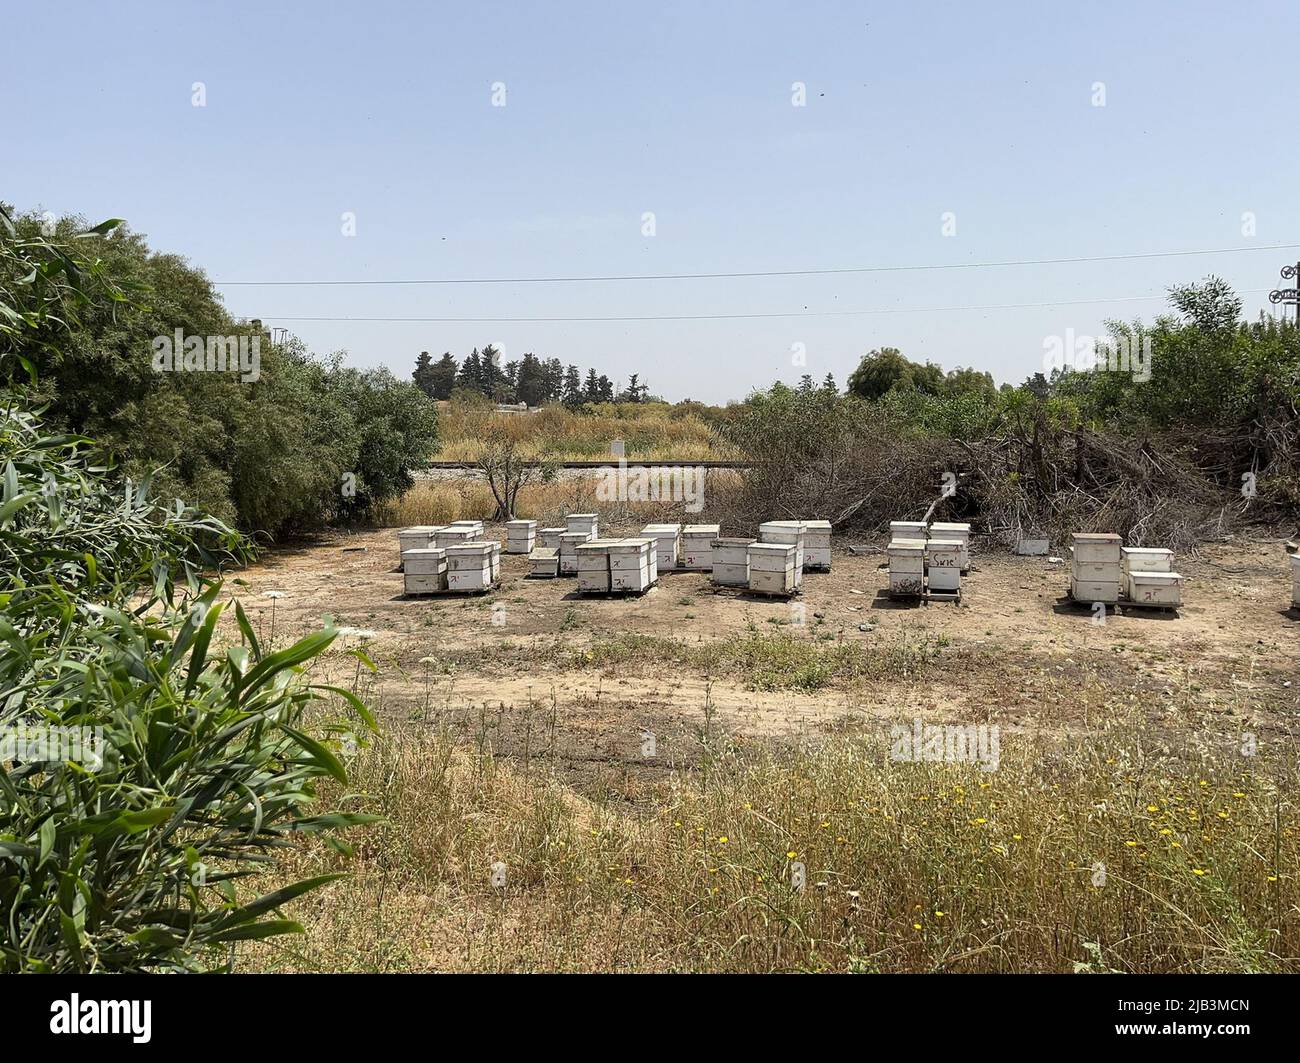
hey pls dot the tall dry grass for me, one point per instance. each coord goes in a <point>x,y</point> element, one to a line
<point>438,501</point>
<point>650,432</point>
<point>1091,855</point>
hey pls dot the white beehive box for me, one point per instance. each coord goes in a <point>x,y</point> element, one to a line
<point>453,536</point>
<point>544,563</point>
<point>1295,580</point>
<point>943,564</point>
<point>1155,588</point>
<point>668,539</point>
<point>731,562</point>
<point>423,561</point>
<point>416,537</point>
<point>583,522</point>
<point>569,543</point>
<point>631,564</point>
<point>1096,548</point>
<point>1032,547</point>
<point>772,568</point>
<point>786,533</point>
<point>943,580</point>
<point>469,566</point>
<point>424,570</point>
<point>1144,559</point>
<point>476,526</point>
<point>953,530</point>
<point>906,566</point>
<point>1091,590</point>
<point>697,546</point>
<point>496,559</point>
<point>907,529</point>
<point>817,544</point>
<point>549,538</point>
<point>521,536</point>
<point>592,558</point>
<point>1095,571</point>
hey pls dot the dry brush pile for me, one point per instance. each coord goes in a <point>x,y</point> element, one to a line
<point>1025,473</point>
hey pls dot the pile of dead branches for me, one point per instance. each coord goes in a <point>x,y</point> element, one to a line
<point>1174,489</point>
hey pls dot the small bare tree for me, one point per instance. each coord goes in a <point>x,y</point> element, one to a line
<point>509,467</point>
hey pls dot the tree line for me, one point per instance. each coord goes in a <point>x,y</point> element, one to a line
<point>531,380</point>
<point>309,441</point>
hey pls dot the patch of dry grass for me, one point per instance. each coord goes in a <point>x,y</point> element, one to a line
<point>650,432</point>
<point>909,866</point>
<point>468,498</point>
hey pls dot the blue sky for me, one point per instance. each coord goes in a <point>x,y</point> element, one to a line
<point>684,110</point>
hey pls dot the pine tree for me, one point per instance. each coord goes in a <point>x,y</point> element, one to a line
<point>492,377</point>
<point>442,377</point>
<point>572,394</point>
<point>829,384</point>
<point>591,389</point>
<point>532,381</point>
<point>424,374</point>
<point>471,372</point>
<point>554,379</point>
<point>605,388</point>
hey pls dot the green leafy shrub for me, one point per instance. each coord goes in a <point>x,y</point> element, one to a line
<point>144,769</point>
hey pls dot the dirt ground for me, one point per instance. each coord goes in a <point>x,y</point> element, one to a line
<point>508,666</point>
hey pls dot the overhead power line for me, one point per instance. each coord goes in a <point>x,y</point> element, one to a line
<point>763,273</point>
<point>735,317</point>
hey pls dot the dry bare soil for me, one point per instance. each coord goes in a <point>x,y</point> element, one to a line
<point>534,667</point>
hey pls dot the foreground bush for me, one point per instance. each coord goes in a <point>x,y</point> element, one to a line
<point>143,769</point>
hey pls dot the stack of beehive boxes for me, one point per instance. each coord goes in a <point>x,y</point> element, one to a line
<point>592,565</point>
<point>817,545</point>
<point>1096,567</point>
<point>906,566</point>
<point>731,562</point>
<point>697,546</point>
<point>472,566</point>
<point>786,533</point>
<point>1295,580</point>
<point>633,565</point>
<point>1149,577</point>
<point>943,566</point>
<point>424,570</point>
<point>773,568</point>
<point>520,536</point>
<point>668,540</point>
<point>617,566</point>
<point>417,537</point>
<point>580,528</point>
<point>948,532</point>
